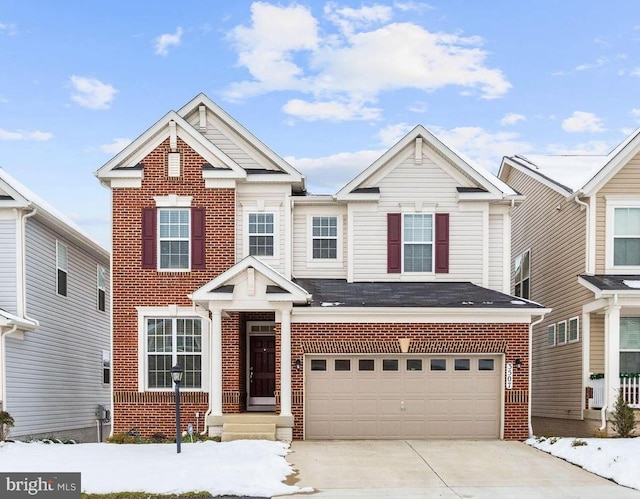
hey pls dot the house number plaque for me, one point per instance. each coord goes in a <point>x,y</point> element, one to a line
<point>509,376</point>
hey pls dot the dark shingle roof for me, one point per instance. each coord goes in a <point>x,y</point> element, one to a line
<point>608,282</point>
<point>366,190</point>
<point>340,293</point>
<point>471,189</point>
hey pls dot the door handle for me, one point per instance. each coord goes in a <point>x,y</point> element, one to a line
<point>251,375</point>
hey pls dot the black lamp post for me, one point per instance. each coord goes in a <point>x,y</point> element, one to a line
<point>176,376</point>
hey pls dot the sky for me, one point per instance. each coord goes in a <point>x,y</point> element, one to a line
<point>327,85</point>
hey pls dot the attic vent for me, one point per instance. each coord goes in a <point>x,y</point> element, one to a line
<point>173,161</point>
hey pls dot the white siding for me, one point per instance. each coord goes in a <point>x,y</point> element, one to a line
<point>302,267</point>
<point>54,375</point>
<point>496,251</point>
<point>8,266</point>
<point>411,187</point>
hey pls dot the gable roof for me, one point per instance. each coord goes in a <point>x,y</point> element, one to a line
<point>16,195</point>
<point>574,174</point>
<point>485,180</point>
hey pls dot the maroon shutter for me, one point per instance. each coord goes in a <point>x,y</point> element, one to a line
<point>442,243</point>
<point>197,238</point>
<point>149,238</point>
<point>394,243</point>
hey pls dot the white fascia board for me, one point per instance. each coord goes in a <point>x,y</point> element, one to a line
<point>415,315</point>
<point>267,178</point>
<point>221,173</point>
<point>478,196</point>
<point>310,200</point>
<point>9,320</point>
<point>567,193</point>
<point>368,197</point>
<point>594,289</point>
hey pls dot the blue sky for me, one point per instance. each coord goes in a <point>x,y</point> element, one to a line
<point>327,85</point>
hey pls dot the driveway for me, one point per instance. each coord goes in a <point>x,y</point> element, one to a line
<point>441,468</point>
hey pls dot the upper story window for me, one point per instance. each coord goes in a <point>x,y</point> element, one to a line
<point>626,237</point>
<point>174,238</point>
<point>62,267</point>
<point>325,237</point>
<point>417,242</point>
<point>102,288</point>
<point>523,275</point>
<point>261,234</point>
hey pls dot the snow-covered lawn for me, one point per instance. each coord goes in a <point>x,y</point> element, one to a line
<point>243,467</point>
<point>615,458</point>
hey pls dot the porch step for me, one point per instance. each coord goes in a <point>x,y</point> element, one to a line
<point>248,431</point>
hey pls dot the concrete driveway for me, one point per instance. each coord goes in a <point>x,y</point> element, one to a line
<point>439,468</point>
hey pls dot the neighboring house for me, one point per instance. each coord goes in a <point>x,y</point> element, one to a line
<point>379,312</point>
<point>54,320</point>
<point>576,248</point>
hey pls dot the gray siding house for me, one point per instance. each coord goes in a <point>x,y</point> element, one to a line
<point>54,320</point>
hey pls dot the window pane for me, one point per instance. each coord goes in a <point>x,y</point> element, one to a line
<point>389,364</point>
<point>318,365</point>
<point>485,364</point>
<point>261,245</point>
<point>525,265</point>
<point>417,258</point>
<point>551,335</point>
<point>192,368</point>
<point>325,248</point>
<point>366,365</point>
<point>630,333</point>
<point>414,364</point>
<point>418,228</point>
<point>159,371</point>
<point>525,289</point>
<point>627,222</point>
<point>342,365</point>
<point>573,330</point>
<point>62,282</point>
<point>462,364</point>
<point>62,257</point>
<point>561,332</point>
<point>630,362</point>
<point>626,251</point>
<point>438,364</point>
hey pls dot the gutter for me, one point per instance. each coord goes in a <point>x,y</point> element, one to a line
<point>22,312</point>
<point>587,255</point>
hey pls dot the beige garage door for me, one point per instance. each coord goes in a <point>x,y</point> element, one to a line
<point>402,396</point>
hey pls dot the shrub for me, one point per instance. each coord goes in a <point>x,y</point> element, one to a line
<point>158,438</point>
<point>578,443</point>
<point>6,423</point>
<point>624,419</point>
<point>124,438</point>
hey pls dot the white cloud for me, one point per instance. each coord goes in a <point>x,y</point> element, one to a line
<point>116,146</point>
<point>35,135</point>
<point>635,72</point>
<point>9,29</point>
<point>419,107</point>
<point>284,49</point>
<point>635,112</point>
<point>163,42</point>
<point>601,61</point>
<point>92,93</point>
<point>512,118</point>
<point>391,134</point>
<point>593,147</point>
<point>331,110</point>
<point>581,121</point>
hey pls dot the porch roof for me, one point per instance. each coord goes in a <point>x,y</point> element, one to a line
<point>613,282</point>
<point>340,293</point>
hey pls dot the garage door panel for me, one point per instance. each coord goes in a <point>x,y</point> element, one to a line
<point>403,403</point>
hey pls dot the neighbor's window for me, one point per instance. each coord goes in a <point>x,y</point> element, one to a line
<point>174,238</point>
<point>561,333</point>
<point>417,242</point>
<point>106,367</point>
<point>572,329</point>
<point>102,288</point>
<point>522,275</point>
<point>626,237</point>
<point>325,237</point>
<point>62,265</point>
<point>630,344</point>
<point>261,234</point>
<point>414,364</point>
<point>174,341</point>
<point>551,335</point>
<point>389,364</point>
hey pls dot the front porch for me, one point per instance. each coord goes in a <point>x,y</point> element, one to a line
<point>248,425</point>
<point>629,388</point>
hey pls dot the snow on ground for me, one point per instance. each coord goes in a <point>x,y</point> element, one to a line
<point>243,467</point>
<point>615,458</point>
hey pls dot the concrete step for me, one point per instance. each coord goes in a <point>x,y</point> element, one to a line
<point>248,431</point>
<point>231,436</point>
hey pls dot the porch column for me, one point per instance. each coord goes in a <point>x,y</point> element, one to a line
<point>285,363</point>
<point>215,390</point>
<point>612,355</point>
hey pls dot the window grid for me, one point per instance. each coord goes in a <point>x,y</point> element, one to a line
<point>417,242</point>
<point>629,344</point>
<point>325,237</point>
<point>106,367</point>
<point>174,235</point>
<point>551,335</point>
<point>572,330</point>
<point>261,234</point>
<point>561,333</point>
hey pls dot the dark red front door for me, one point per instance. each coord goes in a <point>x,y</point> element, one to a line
<point>262,366</point>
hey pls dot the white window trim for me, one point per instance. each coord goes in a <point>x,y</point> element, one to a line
<point>173,201</point>
<point>613,202</point>
<point>170,312</point>
<point>66,271</point>
<point>276,229</point>
<point>158,240</point>
<point>515,283</point>
<point>433,243</point>
<point>322,262</point>
<point>549,327</point>
<point>107,354</point>
<point>101,288</point>
<point>558,342</point>
<point>577,338</point>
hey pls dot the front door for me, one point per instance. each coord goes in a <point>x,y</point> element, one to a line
<point>262,367</point>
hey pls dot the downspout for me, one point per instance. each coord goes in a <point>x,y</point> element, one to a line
<point>23,267</point>
<point>587,252</point>
<point>535,323</point>
<point>3,383</point>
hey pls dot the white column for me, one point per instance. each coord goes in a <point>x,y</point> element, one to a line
<point>612,355</point>
<point>285,363</point>
<point>586,354</point>
<point>215,390</point>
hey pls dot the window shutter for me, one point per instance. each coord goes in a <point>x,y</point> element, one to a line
<point>442,243</point>
<point>197,238</point>
<point>394,243</point>
<point>149,238</point>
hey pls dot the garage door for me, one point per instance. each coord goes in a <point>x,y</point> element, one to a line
<point>395,397</point>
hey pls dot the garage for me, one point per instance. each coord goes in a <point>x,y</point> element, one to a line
<point>399,396</point>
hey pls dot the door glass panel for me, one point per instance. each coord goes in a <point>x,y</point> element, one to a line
<point>438,364</point>
<point>389,364</point>
<point>318,365</point>
<point>414,364</point>
<point>342,365</point>
<point>366,365</point>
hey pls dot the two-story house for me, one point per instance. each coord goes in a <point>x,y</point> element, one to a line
<point>379,312</point>
<point>576,248</point>
<point>54,320</point>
